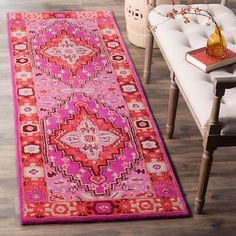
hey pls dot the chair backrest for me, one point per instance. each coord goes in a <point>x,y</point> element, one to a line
<point>223,2</point>
<point>152,3</point>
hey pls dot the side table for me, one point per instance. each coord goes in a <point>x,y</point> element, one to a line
<point>136,16</point>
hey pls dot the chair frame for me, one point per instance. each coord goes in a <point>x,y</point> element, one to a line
<point>211,133</point>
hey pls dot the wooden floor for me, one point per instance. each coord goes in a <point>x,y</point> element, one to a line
<point>185,149</point>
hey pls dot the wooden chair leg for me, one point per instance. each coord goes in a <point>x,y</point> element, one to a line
<point>205,169</point>
<point>148,56</point>
<point>210,143</point>
<point>172,107</point>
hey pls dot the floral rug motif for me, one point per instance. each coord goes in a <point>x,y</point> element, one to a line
<point>88,148</point>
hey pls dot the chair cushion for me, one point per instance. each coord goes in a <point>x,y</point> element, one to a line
<point>176,38</point>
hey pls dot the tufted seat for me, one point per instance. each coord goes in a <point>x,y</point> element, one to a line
<point>176,38</point>
<point>211,97</point>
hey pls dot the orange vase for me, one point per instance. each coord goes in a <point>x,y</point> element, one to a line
<point>216,44</point>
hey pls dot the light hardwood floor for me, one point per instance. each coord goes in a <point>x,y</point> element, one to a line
<point>185,149</point>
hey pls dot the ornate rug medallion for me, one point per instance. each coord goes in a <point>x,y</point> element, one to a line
<point>88,147</point>
<point>91,139</point>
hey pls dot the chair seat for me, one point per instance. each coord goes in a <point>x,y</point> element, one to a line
<point>176,38</point>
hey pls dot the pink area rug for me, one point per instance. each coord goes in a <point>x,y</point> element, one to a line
<point>87,146</point>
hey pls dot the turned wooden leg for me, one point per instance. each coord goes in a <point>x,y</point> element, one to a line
<point>172,107</point>
<point>148,56</point>
<point>205,169</point>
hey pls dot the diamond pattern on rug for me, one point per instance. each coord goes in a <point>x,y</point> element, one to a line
<point>93,136</point>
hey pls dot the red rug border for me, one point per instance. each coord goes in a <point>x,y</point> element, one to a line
<point>17,145</point>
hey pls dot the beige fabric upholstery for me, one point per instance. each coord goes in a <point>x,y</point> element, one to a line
<point>177,38</point>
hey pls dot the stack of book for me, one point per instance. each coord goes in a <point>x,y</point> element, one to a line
<point>200,59</point>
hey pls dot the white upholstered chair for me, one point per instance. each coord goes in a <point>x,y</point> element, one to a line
<point>211,97</point>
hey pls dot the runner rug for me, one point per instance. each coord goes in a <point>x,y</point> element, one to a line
<point>87,146</point>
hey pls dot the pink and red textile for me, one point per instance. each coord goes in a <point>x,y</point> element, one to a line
<point>88,148</point>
